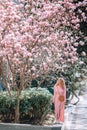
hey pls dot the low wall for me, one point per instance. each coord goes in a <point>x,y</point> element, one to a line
<point>10,126</point>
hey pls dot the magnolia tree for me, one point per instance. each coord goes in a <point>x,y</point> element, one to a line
<point>37,36</point>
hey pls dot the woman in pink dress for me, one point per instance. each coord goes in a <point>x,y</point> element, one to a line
<point>59,104</point>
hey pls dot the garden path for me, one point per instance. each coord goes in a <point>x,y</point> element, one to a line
<point>76,116</point>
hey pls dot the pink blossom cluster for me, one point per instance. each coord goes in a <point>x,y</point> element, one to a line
<point>37,35</point>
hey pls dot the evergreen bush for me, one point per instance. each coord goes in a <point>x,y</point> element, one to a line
<point>35,103</point>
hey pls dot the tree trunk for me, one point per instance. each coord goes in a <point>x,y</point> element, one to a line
<point>17,111</point>
<point>22,78</point>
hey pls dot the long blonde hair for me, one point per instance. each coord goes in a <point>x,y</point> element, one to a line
<point>61,83</point>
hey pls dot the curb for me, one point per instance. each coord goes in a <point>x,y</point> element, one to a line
<point>11,126</point>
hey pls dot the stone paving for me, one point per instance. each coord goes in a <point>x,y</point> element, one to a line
<point>76,116</point>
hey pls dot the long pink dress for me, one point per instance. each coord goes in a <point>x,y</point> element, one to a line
<point>59,106</point>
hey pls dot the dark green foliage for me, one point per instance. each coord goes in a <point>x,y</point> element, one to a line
<point>83,27</point>
<point>34,104</point>
<point>18,80</point>
<point>7,106</point>
<point>34,83</point>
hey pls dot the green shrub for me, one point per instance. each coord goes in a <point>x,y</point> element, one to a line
<point>34,104</point>
<point>7,105</point>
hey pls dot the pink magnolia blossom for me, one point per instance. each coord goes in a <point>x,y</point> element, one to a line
<point>40,34</point>
<point>83,53</point>
<point>81,43</point>
<point>76,44</point>
<point>81,62</point>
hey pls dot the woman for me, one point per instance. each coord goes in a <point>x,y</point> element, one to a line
<point>59,100</point>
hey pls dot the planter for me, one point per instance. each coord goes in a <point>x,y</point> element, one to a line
<point>10,126</point>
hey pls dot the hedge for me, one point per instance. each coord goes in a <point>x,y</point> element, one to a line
<point>34,104</point>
